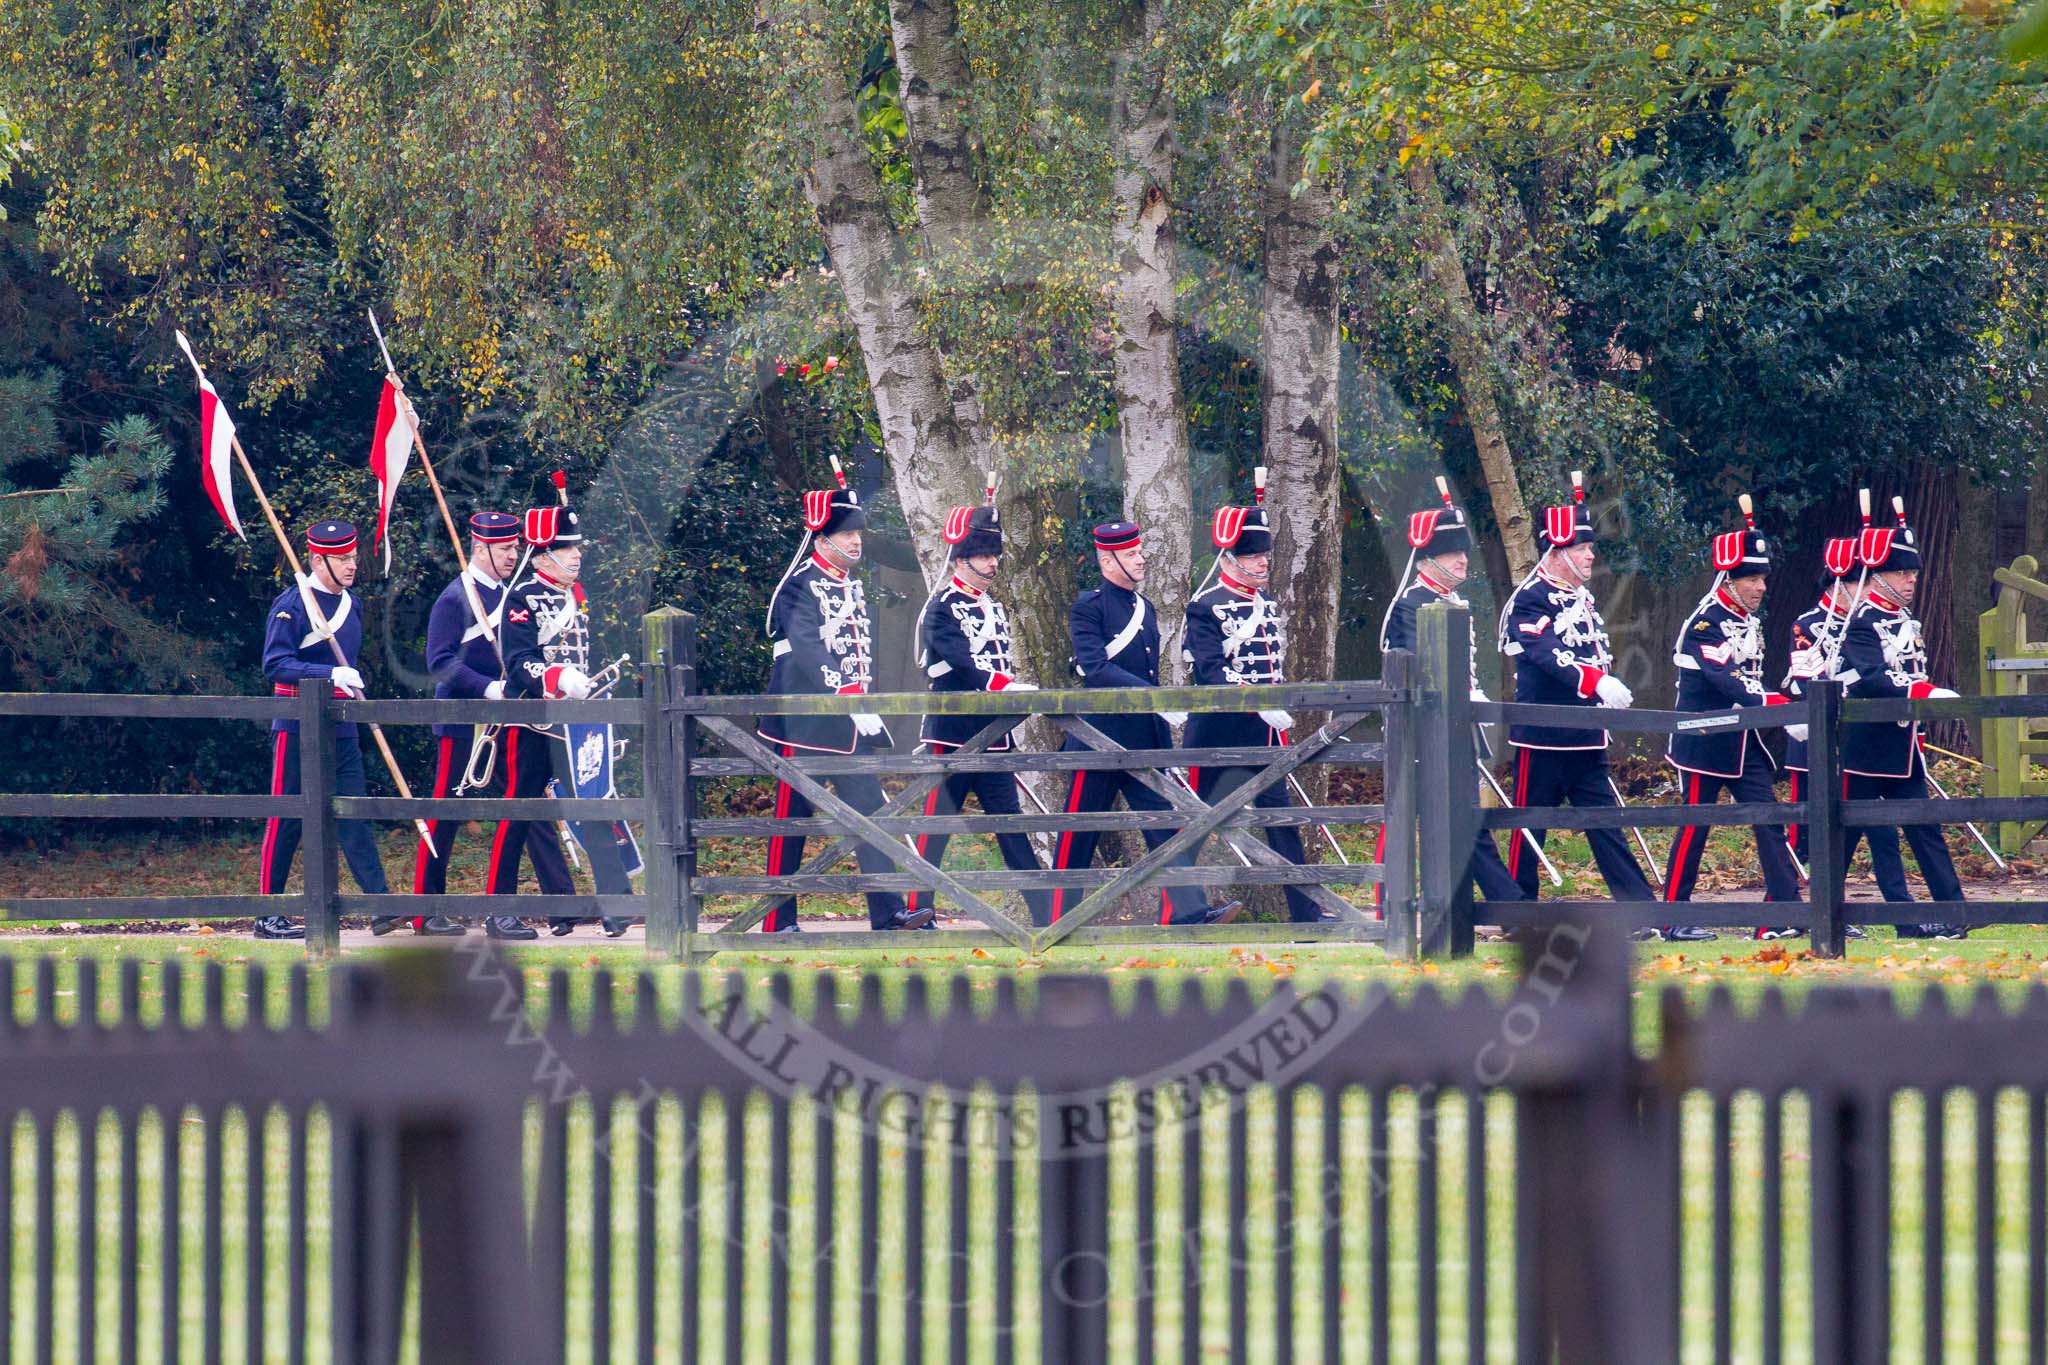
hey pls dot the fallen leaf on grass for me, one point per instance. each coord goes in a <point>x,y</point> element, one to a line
<point>981,953</point>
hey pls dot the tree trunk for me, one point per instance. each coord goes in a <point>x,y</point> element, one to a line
<point>1932,507</point>
<point>1146,349</point>
<point>1298,360</point>
<point>933,68</point>
<point>1465,338</point>
<point>933,447</point>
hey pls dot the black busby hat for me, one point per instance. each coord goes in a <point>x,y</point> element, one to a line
<point>1569,525</point>
<point>331,538</point>
<point>831,510</point>
<point>971,531</point>
<point>557,527</point>
<point>1245,530</point>
<point>1440,530</point>
<point>1742,554</point>
<point>1887,549</point>
<point>494,528</point>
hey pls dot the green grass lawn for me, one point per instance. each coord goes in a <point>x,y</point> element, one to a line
<point>2007,959</point>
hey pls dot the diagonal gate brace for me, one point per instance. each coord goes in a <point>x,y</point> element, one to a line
<point>1154,865</point>
<point>1182,798</point>
<point>905,802</point>
<point>865,829</point>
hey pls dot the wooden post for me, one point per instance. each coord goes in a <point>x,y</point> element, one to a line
<point>1444,759</point>
<point>683,738</point>
<point>667,636</point>
<point>1825,834</point>
<point>1397,800</point>
<point>319,850</point>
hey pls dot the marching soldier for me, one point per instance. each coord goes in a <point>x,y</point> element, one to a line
<point>1439,552</point>
<point>1115,631</point>
<point>1235,638</point>
<point>964,646</point>
<point>1883,656</point>
<point>547,655</point>
<point>818,620</point>
<point>1553,631</point>
<point>296,653</point>
<point>464,659</point>
<point>1720,658</point>
<point>1816,647</point>
<point>1816,650</point>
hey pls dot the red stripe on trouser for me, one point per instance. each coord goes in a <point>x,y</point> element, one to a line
<point>782,790</point>
<point>1379,858</point>
<point>1792,831</point>
<point>1685,836</point>
<point>931,808</point>
<point>1166,902</point>
<point>1521,799</point>
<point>511,733</point>
<point>270,826</point>
<point>1060,855</point>
<point>427,848</point>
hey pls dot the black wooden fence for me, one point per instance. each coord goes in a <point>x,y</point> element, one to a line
<point>426,1155</point>
<point>1417,729</point>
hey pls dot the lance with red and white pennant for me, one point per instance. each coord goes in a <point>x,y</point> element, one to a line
<point>216,425</point>
<point>216,446</point>
<point>398,432</point>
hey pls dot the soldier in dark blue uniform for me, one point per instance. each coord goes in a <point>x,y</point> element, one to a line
<point>1553,631</point>
<point>1116,644</point>
<point>547,655</point>
<point>818,621</point>
<point>1817,653</point>
<point>296,653</point>
<point>1235,639</point>
<point>465,660</point>
<point>1883,656</point>
<point>964,645</point>
<point>1816,648</point>
<point>1720,658</point>
<point>1440,548</point>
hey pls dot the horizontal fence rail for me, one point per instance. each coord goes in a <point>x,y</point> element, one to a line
<point>442,1158</point>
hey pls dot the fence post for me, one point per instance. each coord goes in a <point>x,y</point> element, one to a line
<point>1444,754</point>
<point>1826,836</point>
<point>666,633</point>
<point>318,848</point>
<point>1397,805</point>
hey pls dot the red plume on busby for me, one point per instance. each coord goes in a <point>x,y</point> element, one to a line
<point>1838,557</point>
<point>1571,524</point>
<point>1439,530</point>
<point>545,528</point>
<point>973,531</point>
<point>1244,530</point>
<point>1742,553</point>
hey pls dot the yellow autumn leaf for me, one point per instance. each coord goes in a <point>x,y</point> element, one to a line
<point>1315,87</point>
<point>1661,51</point>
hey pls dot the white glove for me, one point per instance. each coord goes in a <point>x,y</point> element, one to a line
<point>1021,687</point>
<point>1942,694</point>
<point>1479,694</point>
<point>1797,732</point>
<point>347,678</point>
<point>1279,720</point>
<point>1612,691</point>
<point>573,682</point>
<point>496,691</point>
<point>867,723</point>
<point>1174,717</point>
